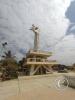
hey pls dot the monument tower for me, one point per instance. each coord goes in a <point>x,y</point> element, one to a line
<point>36,61</point>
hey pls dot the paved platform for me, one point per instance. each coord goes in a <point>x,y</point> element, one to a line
<point>35,88</point>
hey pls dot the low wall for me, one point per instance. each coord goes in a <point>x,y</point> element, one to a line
<point>71,80</point>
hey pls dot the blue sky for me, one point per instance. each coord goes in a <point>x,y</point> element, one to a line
<point>70,14</point>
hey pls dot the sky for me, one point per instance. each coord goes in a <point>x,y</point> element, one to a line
<point>55,18</point>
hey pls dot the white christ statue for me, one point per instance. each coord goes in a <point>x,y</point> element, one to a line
<point>36,38</point>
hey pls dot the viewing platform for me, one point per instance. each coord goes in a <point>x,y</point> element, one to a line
<point>39,61</point>
<point>39,53</point>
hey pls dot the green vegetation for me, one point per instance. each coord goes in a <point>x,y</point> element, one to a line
<point>9,66</point>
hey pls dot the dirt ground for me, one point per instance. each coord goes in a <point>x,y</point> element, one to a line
<point>35,88</point>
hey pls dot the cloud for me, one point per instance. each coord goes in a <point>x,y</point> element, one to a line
<point>65,50</point>
<point>17,16</point>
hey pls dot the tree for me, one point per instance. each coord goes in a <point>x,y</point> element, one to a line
<point>9,66</point>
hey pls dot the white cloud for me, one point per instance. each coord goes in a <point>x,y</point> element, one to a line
<point>17,16</point>
<point>65,50</point>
